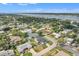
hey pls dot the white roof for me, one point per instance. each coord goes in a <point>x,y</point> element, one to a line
<point>27,30</point>
<point>66,30</point>
<point>57,35</point>
<point>69,39</point>
<point>22,47</point>
<point>7,53</point>
<point>1,31</point>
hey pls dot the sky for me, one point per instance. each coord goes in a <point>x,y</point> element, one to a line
<point>39,7</point>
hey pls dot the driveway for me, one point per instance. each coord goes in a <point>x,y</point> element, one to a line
<point>48,48</point>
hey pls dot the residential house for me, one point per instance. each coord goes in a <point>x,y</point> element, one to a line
<point>27,30</point>
<point>57,35</point>
<point>7,53</point>
<point>1,32</point>
<point>66,31</point>
<point>23,47</point>
<point>15,39</point>
<point>68,41</point>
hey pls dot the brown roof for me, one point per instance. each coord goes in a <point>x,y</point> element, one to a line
<point>15,38</point>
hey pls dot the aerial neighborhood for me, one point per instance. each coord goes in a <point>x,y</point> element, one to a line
<point>22,35</point>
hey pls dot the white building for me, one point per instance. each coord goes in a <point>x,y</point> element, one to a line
<point>7,53</point>
<point>24,46</point>
<point>68,41</point>
<point>66,31</point>
<point>27,30</point>
<point>57,35</point>
<point>1,31</point>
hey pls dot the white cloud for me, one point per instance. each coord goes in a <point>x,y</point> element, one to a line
<point>4,3</point>
<point>32,3</point>
<point>22,4</point>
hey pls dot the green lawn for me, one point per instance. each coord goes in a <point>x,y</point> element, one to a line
<point>68,52</point>
<point>27,54</point>
<point>56,50</point>
<point>40,48</point>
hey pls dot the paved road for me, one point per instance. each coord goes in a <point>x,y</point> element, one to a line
<point>48,48</point>
<point>76,53</point>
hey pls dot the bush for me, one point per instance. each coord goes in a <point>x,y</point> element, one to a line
<point>60,40</point>
<point>16,52</point>
<point>27,54</point>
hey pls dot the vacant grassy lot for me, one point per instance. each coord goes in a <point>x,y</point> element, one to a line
<point>56,50</point>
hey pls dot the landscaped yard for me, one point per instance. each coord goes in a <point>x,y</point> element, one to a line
<point>40,47</point>
<point>27,54</point>
<point>17,53</point>
<point>51,52</point>
<point>68,52</point>
<point>56,50</point>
